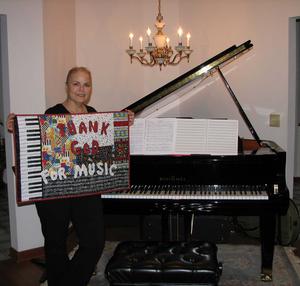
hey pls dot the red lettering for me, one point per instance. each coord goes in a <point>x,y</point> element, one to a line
<point>95,147</point>
<point>61,128</point>
<point>71,128</point>
<point>82,128</point>
<point>93,126</point>
<point>104,128</point>
<point>74,150</point>
<point>86,149</point>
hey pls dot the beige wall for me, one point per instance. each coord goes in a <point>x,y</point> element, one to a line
<point>59,46</point>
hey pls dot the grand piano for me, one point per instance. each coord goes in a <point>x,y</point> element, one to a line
<point>251,183</point>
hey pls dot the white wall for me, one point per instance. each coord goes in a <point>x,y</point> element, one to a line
<point>26,91</point>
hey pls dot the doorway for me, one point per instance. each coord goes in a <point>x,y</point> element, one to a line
<point>4,100</point>
<point>297,99</point>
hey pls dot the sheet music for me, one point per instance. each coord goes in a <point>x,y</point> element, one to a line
<point>184,136</point>
<point>191,136</point>
<point>160,136</point>
<point>137,135</point>
<point>222,137</point>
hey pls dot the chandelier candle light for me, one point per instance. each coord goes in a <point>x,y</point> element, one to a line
<point>161,53</point>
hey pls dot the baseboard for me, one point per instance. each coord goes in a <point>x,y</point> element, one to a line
<point>20,256</point>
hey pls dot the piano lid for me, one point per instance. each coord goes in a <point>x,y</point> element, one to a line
<point>202,71</point>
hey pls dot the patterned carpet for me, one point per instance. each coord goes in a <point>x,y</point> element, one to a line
<point>241,266</point>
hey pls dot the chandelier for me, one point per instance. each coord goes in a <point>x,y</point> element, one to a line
<point>160,52</point>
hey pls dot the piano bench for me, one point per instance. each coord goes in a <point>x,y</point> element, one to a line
<point>138,263</point>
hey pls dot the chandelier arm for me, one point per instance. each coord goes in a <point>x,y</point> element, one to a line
<point>174,63</point>
<point>176,59</point>
<point>152,59</point>
<point>144,61</point>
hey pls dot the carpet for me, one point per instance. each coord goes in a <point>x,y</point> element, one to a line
<point>241,266</point>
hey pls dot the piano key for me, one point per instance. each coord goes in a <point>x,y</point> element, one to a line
<point>31,155</point>
<point>32,126</point>
<point>212,192</point>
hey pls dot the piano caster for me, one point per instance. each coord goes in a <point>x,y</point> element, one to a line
<point>266,275</point>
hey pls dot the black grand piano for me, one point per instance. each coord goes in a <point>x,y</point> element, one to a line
<point>251,183</point>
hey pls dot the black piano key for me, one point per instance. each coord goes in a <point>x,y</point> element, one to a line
<point>34,191</point>
<point>34,139</point>
<point>33,164</point>
<point>33,161</point>
<point>33,150</point>
<point>33,157</point>
<point>34,172</point>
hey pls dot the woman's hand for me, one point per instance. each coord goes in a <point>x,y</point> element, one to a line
<point>130,117</point>
<point>10,122</point>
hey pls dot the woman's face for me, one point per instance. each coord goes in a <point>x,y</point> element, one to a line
<point>79,87</point>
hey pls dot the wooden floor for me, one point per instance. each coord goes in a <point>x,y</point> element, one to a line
<point>19,274</point>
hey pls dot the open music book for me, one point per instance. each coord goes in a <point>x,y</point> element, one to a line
<point>184,136</point>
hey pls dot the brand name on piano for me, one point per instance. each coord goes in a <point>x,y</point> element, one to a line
<point>172,179</point>
<point>92,169</point>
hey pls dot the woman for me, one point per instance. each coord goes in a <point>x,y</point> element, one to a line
<point>85,213</point>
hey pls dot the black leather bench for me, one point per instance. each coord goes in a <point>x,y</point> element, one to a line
<point>164,263</point>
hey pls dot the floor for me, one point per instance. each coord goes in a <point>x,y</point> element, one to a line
<point>4,223</point>
<point>28,273</point>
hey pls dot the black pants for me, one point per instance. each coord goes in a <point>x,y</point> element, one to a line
<point>86,215</point>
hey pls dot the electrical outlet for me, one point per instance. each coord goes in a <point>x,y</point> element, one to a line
<point>274,120</point>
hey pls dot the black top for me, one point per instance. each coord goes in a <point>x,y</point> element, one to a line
<point>60,109</point>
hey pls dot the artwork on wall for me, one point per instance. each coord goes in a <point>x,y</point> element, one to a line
<point>66,155</point>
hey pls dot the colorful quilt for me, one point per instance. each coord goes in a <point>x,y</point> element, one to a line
<point>64,155</point>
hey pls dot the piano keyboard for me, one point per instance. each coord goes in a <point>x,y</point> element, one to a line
<point>30,157</point>
<point>192,192</point>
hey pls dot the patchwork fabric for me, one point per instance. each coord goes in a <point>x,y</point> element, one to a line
<point>65,155</point>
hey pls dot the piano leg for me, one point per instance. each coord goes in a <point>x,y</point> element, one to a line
<point>267,234</point>
<point>188,226</point>
<point>175,227</point>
